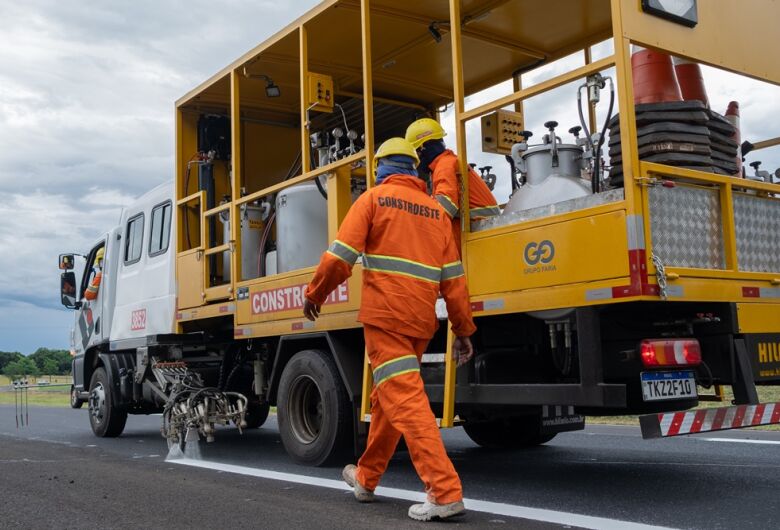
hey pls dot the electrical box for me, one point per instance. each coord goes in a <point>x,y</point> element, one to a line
<point>501,130</point>
<point>320,92</point>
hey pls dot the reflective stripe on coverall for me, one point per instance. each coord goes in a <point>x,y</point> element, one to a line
<point>94,286</point>
<point>409,257</point>
<point>446,190</point>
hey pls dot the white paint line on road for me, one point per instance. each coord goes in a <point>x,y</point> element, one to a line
<point>740,441</point>
<point>497,508</point>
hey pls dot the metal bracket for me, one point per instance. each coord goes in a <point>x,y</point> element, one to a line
<point>743,385</point>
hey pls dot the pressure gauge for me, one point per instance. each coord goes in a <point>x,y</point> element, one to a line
<point>680,11</point>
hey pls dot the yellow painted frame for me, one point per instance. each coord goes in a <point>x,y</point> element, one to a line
<point>628,26</point>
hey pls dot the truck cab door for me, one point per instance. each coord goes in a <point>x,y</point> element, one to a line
<point>89,328</point>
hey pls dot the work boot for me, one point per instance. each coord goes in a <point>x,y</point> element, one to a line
<point>361,493</point>
<point>430,510</point>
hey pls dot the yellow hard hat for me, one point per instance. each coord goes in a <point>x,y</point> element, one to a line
<point>423,130</point>
<point>395,146</point>
<point>99,255</point>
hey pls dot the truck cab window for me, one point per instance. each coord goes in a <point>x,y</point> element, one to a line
<point>134,239</point>
<point>159,232</point>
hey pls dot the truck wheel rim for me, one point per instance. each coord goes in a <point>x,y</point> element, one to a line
<point>73,398</point>
<point>97,403</point>
<point>305,409</point>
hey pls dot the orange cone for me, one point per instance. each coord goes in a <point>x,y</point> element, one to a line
<point>654,77</point>
<point>732,114</point>
<point>691,81</point>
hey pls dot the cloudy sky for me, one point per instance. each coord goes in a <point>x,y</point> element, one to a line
<point>87,91</point>
<point>86,123</point>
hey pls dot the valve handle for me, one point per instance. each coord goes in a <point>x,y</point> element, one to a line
<point>526,134</point>
<point>575,131</point>
<point>551,125</point>
<point>755,165</point>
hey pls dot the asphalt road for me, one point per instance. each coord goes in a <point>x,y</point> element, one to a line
<point>602,477</point>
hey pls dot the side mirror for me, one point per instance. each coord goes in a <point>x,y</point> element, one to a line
<point>67,262</point>
<point>68,290</point>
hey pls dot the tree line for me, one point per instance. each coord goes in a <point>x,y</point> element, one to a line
<point>43,362</point>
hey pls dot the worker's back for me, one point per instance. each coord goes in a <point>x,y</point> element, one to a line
<point>406,247</point>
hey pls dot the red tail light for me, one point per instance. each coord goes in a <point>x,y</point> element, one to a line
<point>670,352</point>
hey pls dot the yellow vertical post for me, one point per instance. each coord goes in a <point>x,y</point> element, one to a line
<point>592,124</point>
<point>304,48</point>
<point>517,86</point>
<point>235,180</point>
<point>178,193</point>
<point>625,96</point>
<point>729,228</point>
<point>368,119</point>
<point>450,366</point>
<point>368,90</point>
<point>339,199</point>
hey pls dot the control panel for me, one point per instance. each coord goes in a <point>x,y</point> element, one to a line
<point>501,130</point>
<point>320,92</point>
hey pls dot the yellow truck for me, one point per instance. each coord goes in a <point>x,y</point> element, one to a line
<point>611,284</point>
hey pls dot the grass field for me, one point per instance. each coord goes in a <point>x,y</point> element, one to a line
<point>55,396</point>
<point>59,396</point>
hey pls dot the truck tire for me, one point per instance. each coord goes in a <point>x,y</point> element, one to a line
<point>256,414</point>
<point>510,433</point>
<point>106,419</point>
<point>314,412</point>
<point>75,402</point>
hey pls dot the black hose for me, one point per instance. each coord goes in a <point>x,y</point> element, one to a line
<point>513,172</point>
<point>239,361</point>
<point>597,151</point>
<point>320,187</point>
<point>227,361</point>
<point>586,131</point>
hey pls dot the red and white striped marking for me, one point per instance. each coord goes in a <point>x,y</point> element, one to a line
<point>708,420</point>
<point>637,261</point>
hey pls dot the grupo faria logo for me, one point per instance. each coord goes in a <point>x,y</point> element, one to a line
<point>538,256</point>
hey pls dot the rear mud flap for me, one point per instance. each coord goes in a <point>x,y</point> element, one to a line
<point>561,418</point>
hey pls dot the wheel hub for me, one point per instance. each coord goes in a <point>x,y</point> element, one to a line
<point>305,409</point>
<point>97,403</point>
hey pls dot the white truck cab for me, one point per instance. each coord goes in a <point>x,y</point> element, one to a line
<point>136,297</point>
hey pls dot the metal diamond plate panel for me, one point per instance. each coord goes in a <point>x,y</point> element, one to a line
<point>686,228</point>
<point>757,223</point>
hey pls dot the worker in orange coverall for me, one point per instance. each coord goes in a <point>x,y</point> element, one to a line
<point>409,256</point>
<point>426,135</point>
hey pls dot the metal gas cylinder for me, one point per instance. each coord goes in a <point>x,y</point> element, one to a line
<point>552,173</point>
<point>301,227</point>
<point>252,224</point>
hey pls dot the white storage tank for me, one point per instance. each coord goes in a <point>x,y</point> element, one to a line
<point>252,224</point>
<point>301,227</point>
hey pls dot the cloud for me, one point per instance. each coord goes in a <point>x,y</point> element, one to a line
<point>86,124</point>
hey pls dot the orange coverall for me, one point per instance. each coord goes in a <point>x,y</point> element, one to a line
<point>408,257</point>
<point>445,171</point>
<point>91,291</point>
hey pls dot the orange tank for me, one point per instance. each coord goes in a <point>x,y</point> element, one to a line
<point>654,77</point>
